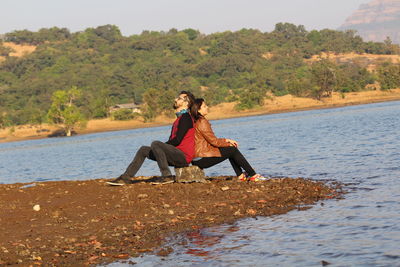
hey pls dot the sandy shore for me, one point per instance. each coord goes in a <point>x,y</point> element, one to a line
<point>282,104</point>
<point>80,223</point>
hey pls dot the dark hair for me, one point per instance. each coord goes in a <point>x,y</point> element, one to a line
<point>190,98</point>
<point>194,110</point>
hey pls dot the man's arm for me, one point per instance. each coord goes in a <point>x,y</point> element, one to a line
<point>185,123</point>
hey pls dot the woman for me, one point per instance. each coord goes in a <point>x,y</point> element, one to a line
<point>213,150</point>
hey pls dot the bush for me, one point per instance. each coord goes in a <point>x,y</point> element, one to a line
<point>251,98</point>
<point>389,76</point>
<point>123,115</point>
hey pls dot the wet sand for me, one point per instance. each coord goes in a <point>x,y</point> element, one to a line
<point>280,104</point>
<point>77,223</point>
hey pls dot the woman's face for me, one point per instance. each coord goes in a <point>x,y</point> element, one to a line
<point>203,109</point>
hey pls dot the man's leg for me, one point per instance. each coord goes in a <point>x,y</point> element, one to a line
<point>143,153</point>
<point>165,155</point>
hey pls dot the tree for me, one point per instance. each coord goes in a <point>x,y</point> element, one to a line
<point>251,97</point>
<point>150,98</point>
<point>4,120</point>
<point>191,33</point>
<point>64,111</point>
<point>389,76</point>
<point>323,75</point>
<point>101,60</point>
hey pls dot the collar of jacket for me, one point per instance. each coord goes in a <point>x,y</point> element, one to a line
<point>180,113</point>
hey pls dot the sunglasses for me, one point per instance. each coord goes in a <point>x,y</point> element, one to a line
<point>182,98</point>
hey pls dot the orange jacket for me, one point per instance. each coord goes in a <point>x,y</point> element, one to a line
<point>206,143</point>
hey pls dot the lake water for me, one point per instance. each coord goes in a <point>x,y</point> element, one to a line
<point>357,145</point>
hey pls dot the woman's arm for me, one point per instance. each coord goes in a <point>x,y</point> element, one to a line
<point>206,131</point>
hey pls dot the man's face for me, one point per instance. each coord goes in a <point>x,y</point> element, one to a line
<point>180,101</point>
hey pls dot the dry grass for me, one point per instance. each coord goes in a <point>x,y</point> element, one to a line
<point>368,61</point>
<point>18,50</point>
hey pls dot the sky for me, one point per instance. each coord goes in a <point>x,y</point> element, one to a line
<point>207,16</point>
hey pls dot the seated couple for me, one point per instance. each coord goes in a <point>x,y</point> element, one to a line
<point>191,138</point>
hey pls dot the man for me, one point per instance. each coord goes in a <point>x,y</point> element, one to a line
<point>178,151</point>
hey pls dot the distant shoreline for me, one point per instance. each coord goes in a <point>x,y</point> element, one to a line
<point>281,104</point>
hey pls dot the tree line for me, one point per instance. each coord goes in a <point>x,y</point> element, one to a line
<point>104,67</point>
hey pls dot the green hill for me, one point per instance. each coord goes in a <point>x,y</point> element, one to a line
<point>152,67</point>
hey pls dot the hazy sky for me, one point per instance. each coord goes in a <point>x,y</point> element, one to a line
<point>207,16</point>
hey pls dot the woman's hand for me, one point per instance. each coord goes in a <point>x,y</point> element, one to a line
<point>232,142</point>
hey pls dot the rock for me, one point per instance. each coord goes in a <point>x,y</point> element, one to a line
<point>36,258</point>
<point>36,207</point>
<point>225,188</point>
<point>325,263</point>
<point>143,196</point>
<point>189,175</point>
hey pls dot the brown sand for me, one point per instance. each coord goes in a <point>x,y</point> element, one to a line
<point>286,103</point>
<point>80,223</point>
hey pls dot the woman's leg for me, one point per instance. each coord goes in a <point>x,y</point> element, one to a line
<point>208,162</point>
<point>238,159</point>
<point>236,167</point>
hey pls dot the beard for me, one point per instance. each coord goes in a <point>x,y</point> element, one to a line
<point>175,105</point>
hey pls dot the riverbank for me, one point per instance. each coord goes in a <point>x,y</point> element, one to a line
<point>76,223</point>
<point>287,103</point>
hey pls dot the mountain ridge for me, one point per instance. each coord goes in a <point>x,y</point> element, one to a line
<point>376,20</point>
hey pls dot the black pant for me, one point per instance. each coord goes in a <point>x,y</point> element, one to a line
<point>165,155</point>
<point>236,159</point>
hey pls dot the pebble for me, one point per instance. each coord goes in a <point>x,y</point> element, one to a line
<point>224,188</point>
<point>143,196</point>
<point>36,258</point>
<point>36,207</point>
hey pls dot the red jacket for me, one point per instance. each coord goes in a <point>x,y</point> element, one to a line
<point>182,135</point>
